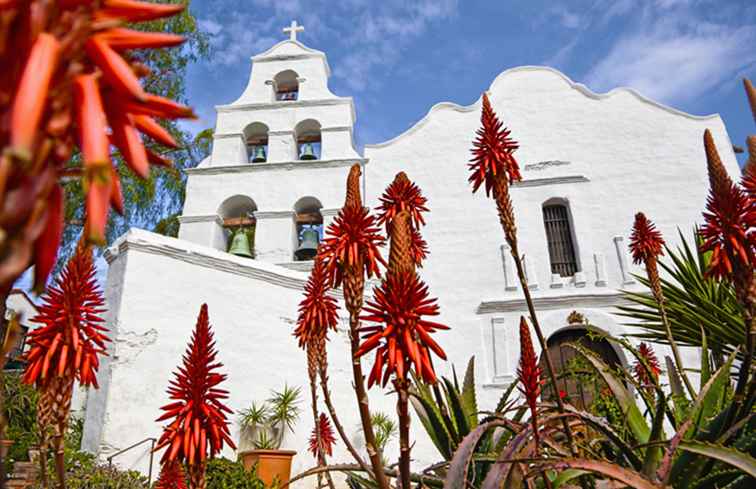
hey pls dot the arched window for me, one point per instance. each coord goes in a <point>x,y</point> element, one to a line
<point>239,225</point>
<point>286,85</point>
<point>308,223</point>
<point>256,138</point>
<point>577,381</point>
<point>307,133</point>
<point>560,238</point>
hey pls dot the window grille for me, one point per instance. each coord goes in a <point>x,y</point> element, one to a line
<point>559,238</point>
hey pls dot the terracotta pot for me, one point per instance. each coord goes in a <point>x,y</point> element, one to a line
<point>271,464</point>
<point>4,446</point>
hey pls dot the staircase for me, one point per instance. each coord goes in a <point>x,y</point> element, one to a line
<point>24,475</point>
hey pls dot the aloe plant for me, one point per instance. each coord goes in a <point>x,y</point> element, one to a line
<point>449,413</point>
<point>264,424</point>
<point>693,301</point>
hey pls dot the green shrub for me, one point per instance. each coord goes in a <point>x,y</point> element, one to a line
<point>90,475</point>
<point>21,414</point>
<point>223,473</point>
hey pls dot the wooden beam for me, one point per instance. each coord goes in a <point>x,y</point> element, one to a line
<point>235,222</point>
<point>308,218</point>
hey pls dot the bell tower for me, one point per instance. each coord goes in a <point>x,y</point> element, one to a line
<point>280,156</point>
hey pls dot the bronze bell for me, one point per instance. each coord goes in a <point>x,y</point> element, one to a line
<point>259,156</point>
<point>307,152</point>
<point>309,245</point>
<point>240,244</point>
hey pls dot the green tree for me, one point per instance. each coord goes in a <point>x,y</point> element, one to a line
<point>156,202</point>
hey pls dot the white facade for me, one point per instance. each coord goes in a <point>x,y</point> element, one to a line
<point>603,156</point>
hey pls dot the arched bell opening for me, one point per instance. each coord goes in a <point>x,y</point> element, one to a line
<point>578,383</point>
<point>308,226</point>
<point>239,223</point>
<point>256,140</point>
<point>286,85</point>
<point>308,138</point>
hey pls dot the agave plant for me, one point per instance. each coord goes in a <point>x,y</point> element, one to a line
<point>266,423</point>
<point>449,413</point>
<point>693,302</point>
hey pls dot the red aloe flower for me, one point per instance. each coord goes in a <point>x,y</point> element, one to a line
<point>69,78</point>
<point>401,195</point>
<point>352,241</point>
<point>404,195</point>
<point>641,374</point>
<point>71,339</point>
<point>199,423</point>
<point>327,437</point>
<point>646,241</point>
<point>172,476</point>
<point>318,311</point>
<point>729,220</point>
<point>402,336</point>
<point>493,151</point>
<point>529,375</point>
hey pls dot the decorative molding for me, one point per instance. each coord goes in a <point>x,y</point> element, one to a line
<point>546,69</point>
<point>507,263</point>
<point>579,279</point>
<point>281,132</point>
<point>335,129</point>
<point>298,266</point>
<point>540,182</point>
<point>500,359</point>
<point>542,165</point>
<point>624,265</point>
<point>329,212</point>
<point>201,218</point>
<point>556,281</point>
<point>530,273</point>
<point>574,301</point>
<point>279,104</point>
<point>228,135</point>
<point>146,242</point>
<point>274,214</point>
<point>282,165</point>
<point>599,262</point>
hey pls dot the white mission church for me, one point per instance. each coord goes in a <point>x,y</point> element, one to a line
<point>279,162</point>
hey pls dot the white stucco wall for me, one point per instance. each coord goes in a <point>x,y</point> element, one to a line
<point>252,308</point>
<point>606,156</point>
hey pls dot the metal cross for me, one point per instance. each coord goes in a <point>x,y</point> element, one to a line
<point>293,29</point>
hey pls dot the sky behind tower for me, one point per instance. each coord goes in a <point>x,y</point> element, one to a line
<point>397,58</point>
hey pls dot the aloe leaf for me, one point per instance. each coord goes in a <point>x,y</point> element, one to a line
<point>717,478</point>
<point>457,474</point>
<point>567,475</point>
<point>431,420</point>
<point>608,469</point>
<point>600,424</point>
<point>682,404</point>
<point>635,420</point>
<point>654,453</point>
<point>455,406</point>
<point>705,364</point>
<point>469,401</point>
<point>730,456</point>
<point>708,403</point>
<point>505,397</point>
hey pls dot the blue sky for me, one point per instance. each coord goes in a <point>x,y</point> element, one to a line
<point>398,58</point>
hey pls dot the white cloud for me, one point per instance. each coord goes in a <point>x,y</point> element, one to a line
<point>674,62</point>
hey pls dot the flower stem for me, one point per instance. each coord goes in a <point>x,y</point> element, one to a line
<point>335,419</point>
<point>656,289</point>
<point>402,409</point>
<point>507,219</point>
<point>374,451</point>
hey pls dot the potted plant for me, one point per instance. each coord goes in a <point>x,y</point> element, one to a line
<point>263,427</point>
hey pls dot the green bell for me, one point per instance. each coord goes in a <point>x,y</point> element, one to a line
<point>259,156</point>
<point>307,152</point>
<point>309,246</point>
<point>240,244</point>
